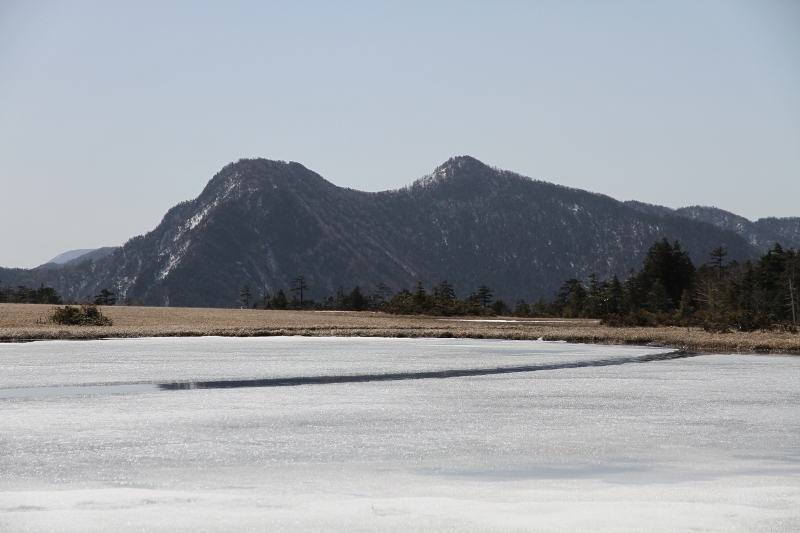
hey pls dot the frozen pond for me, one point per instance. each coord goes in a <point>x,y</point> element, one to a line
<point>588,438</point>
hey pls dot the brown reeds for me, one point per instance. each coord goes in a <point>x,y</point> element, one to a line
<point>20,322</point>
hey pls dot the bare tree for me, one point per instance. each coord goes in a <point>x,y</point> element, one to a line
<point>299,285</point>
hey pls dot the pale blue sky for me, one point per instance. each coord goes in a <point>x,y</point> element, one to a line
<point>112,112</point>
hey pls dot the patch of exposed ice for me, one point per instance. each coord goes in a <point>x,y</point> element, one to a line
<point>702,444</point>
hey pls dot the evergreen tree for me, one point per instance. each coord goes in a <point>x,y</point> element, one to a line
<point>446,292</point>
<point>685,308</point>
<point>500,308</point>
<point>356,300</point>
<point>419,294</point>
<point>280,301</point>
<point>23,295</point>
<point>571,298</point>
<point>594,297</point>
<point>718,258</point>
<point>614,296</point>
<point>668,265</point>
<point>632,292</point>
<point>658,298</point>
<point>105,297</point>
<point>747,284</point>
<point>245,296</point>
<point>340,302</point>
<point>48,295</point>
<point>541,308</point>
<point>485,295</point>
<point>566,290</point>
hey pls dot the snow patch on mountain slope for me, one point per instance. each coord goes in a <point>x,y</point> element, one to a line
<point>173,261</point>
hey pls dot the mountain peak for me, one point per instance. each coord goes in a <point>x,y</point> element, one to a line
<point>454,168</point>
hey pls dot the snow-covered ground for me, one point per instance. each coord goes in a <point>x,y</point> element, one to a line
<point>706,443</point>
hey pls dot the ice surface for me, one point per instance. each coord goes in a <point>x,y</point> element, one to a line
<point>707,444</point>
<point>49,363</point>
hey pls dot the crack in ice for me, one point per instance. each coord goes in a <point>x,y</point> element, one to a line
<point>129,388</point>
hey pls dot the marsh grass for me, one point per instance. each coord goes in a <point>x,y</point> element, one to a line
<point>20,322</point>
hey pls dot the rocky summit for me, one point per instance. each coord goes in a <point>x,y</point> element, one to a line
<point>263,223</point>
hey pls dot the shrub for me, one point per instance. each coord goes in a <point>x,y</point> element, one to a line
<point>87,314</point>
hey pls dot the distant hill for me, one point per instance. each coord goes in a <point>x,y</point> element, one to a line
<point>60,259</point>
<point>787,228</point>
<point>74,257</point>
<point>763,233</point>
<point>264,222</point>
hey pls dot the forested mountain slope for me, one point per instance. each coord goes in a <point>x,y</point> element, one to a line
<point>763,233</point>
<point>263,223</point>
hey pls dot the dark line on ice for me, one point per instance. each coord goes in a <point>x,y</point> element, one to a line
<point>130,388</point>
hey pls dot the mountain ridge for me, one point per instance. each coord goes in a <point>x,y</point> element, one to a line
<point>262,223</point>
<point>762,233</point>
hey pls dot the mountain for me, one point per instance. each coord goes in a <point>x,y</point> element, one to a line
<point>264,222</point>
<point>763,233</point>
<point>73,257</point>
<point>60,259</point>
<point>787,228</point>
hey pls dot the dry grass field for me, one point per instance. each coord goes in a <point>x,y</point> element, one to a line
<point>21,322</point>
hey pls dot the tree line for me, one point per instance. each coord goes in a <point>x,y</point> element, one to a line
<point>48,295</point>
<point>718,296</point>
<point>668,290</point>
<point>26,295</point>
<point>439,300</point>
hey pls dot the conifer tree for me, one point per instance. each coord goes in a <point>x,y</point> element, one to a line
<point>540,308</point>
<point>521,309</point>
<point>500,308</point>
<point>594,296</point>
<point>446,291</point>
<point>658,298</point>
<point>668,264</point>
<point>632,292</point>
<point>614,295</point>
<point>245,296</point>
<point>419,294</point>
<point>382,293</point>
<point>718,258</point>
<point>280,301</point>
<point>485,295</point>
<point>573,297</point>
<point>685,308</point>
<point>340,302</point>
<point>356,300</point>
<point>105,297</point>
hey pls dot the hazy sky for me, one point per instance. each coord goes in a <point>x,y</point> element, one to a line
<point>112,112</point>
